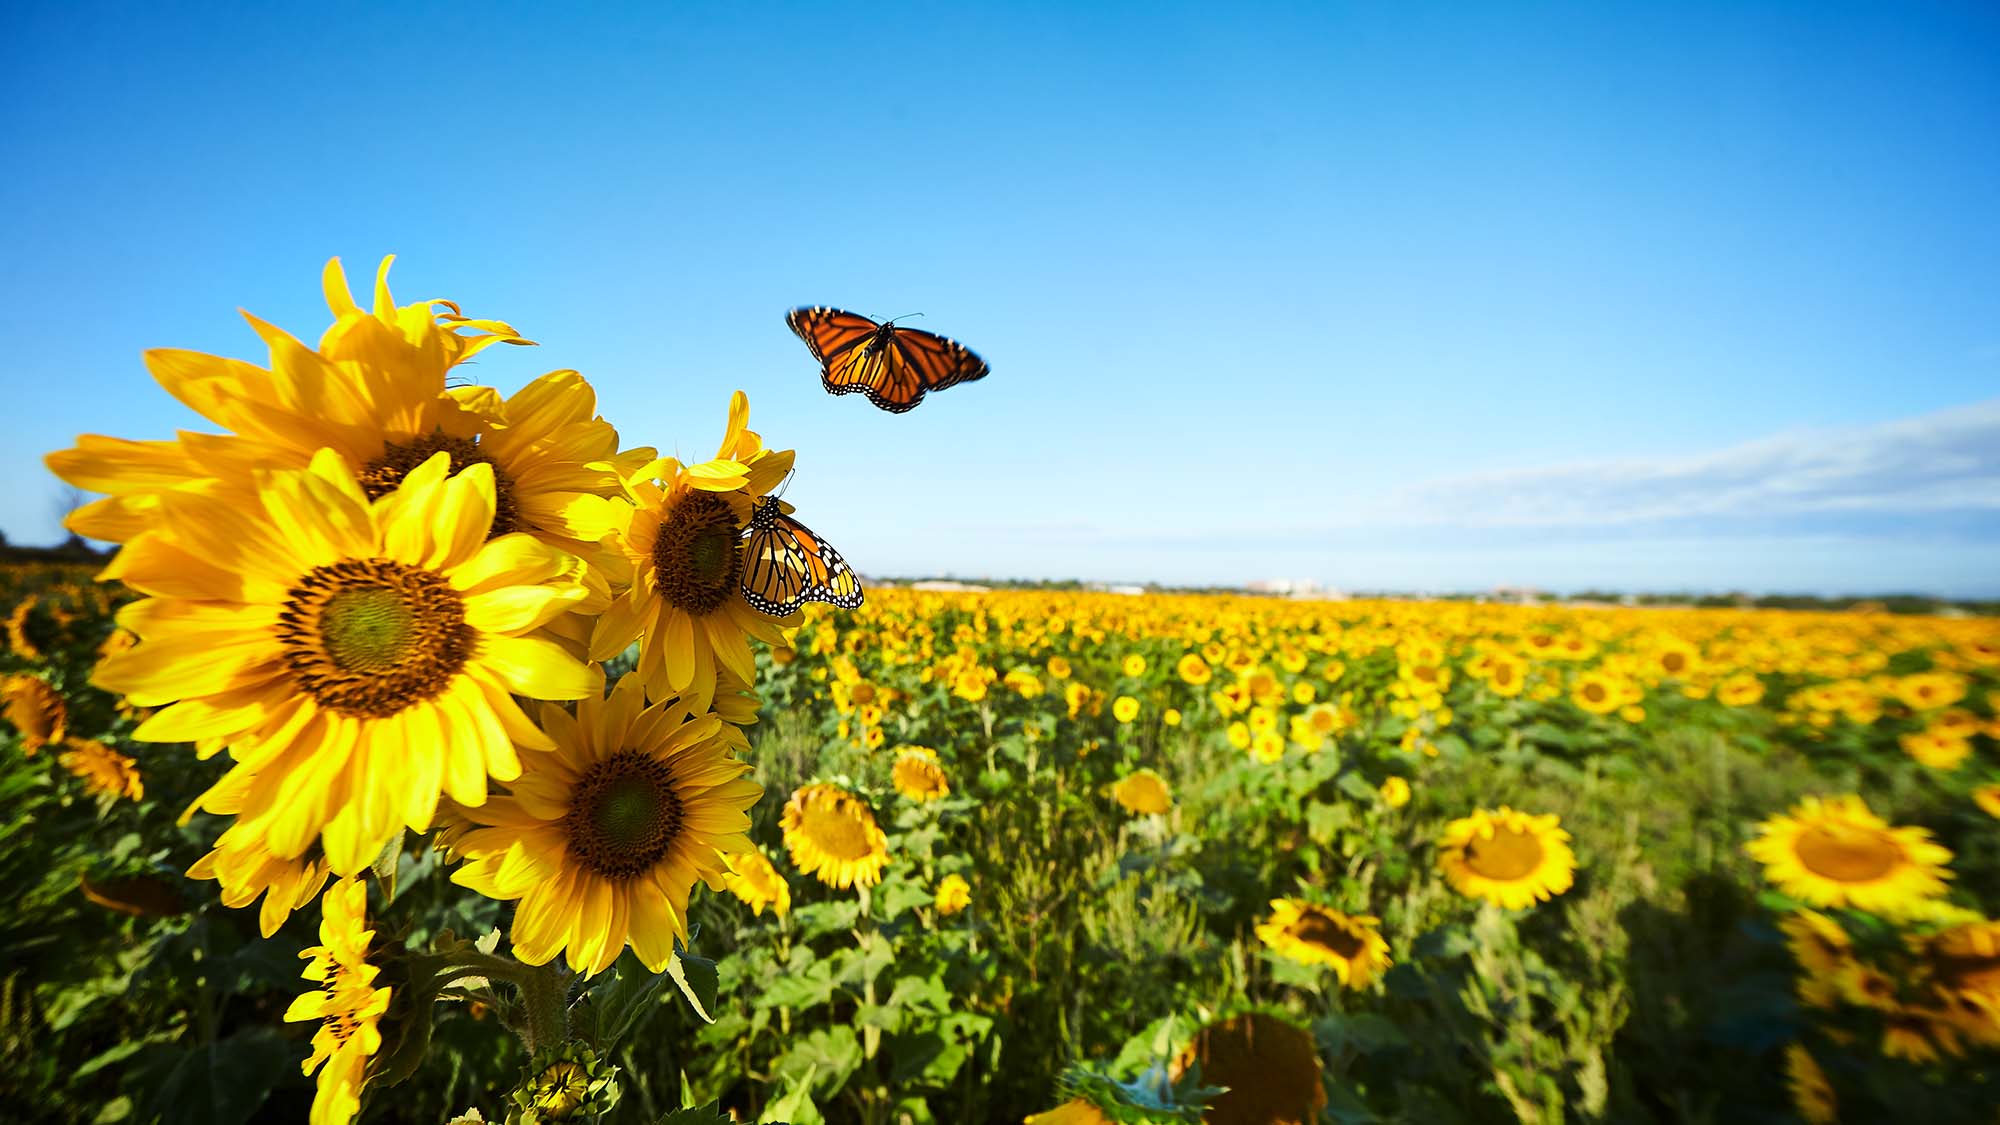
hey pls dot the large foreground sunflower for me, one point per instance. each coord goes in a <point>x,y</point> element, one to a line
<point>1834,852</point>
<point>603,837</point>
<point>832,835</point>
<point>347,1004</point>
<point>358,657</point>
<point>1351,945</point>
<point>1511,859</point>
<point>682,568</point>
<point>246,867</point>
<point>1270,1069</point>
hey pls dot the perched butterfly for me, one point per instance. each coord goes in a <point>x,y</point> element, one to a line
<point>892,366</point>
<point>785,565</point>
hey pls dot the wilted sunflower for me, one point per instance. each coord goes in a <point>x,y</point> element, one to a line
<point>758,882</point>
<point>1834,852</point>
<point>104,771</point>
<point>1143,792</point>
<point>1511,859</point>
<point>347,1003</point>
<point>681,568</point>
<point>359,657</point>
<point>375,392</point>
<point>1812,1094</point>
<point>918,776</point>
<point>35,709</point>
<point>603,837</point>
<point>1271,1070</point>
<point>832,835</point>
<point>1352,945</point>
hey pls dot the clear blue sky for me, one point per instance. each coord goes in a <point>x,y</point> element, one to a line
<point>1383,295</point>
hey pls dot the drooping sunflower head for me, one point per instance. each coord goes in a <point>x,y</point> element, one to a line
<point>1511,859</point>
<point>757,881</point>
<point>104,771</point>
<point>1270,1068</point>
<point>1143,792</point>
<point>1834,852</point>
<point>1963,965</point>
<point>918,776</point>
<point>35,709</point>
<point>347,1003</point>
<point>1351,945</point>
<point>831,834</point>
<point>632,807</point>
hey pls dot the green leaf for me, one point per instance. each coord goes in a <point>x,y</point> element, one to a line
<point>896,896</point>
<point>223,1083</point>
<point>827,1056</point>
<point>612,1007</point>
<point>798,991</point>
<point>697,980</point>
<point>710,1114</point>
<point>795,1108</point>
<point>822,918</point>
<point>386,863</point>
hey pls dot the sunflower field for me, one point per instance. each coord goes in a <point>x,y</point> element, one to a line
<point>415,759</point>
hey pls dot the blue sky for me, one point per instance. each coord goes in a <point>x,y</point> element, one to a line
<point>1386,296</point>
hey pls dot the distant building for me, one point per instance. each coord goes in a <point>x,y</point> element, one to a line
<point>948,586</point>
<point>1298,589</point>
<point>1517,595</point>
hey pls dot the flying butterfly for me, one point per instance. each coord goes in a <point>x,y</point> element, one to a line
<point>785,565</point>
<point>893,366</point>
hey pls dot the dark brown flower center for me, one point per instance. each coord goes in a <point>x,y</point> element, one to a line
<point>698,556</point>
<point>369,637</point>
<point>1318,929</point>
<point>624,815</point>
<point>381,476</point>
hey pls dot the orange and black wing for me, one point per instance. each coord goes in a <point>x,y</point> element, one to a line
<point>893,366</point>
<point>785,566</point>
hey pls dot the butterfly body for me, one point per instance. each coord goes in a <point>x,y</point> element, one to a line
<point>785,565</point>
<point>893,366</point>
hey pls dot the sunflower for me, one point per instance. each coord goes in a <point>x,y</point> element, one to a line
<point>1314,935</point>
<point>832,835</point>
<point>1963,964</point>
<point>1740,690</point>
<point>1511,859</point>
<point>104,771</point>
<point>375,392</point>
<point>758,882</point>
<point>681,568</point>
<point>1125,709</point>
<point>1937,749</point>
<point>603,837</point>
<point>1395,792</point>
<point>1270,1070</point>
<point>1812,1095</point>
<point>1834,852</point>
<point>918,776</point>
<point>1143,792</point>
<point>347,1003</point>
<point>1824,953</point>
<point>35,710</point>
<point>16,628</point>
<point>1598,692</point>
<point>357,656</point>
<point>1987,797</point>
<point>1076,1111</point>
<point>1193,670</point>
<point>953,895</point>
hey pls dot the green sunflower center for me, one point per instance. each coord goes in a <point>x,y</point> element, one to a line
<point>1508,856</point>
<point>1846,856</point>
<point>369,637</point>
<point>560,1089</point>
<point>381,476</point>
<point>1317,929</point>
<point>698,556</point>
<point>624,815</point>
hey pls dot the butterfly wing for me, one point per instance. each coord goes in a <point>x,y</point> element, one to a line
<point>895,375</point>
<point>786,565</point>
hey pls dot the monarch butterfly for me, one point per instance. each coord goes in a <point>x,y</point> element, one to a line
<point>892,366</point>
<point>785,565</point>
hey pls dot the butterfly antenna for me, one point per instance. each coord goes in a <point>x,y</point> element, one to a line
<point>905,316</point>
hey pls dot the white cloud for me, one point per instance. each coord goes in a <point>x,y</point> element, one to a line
<point>1939,463</point>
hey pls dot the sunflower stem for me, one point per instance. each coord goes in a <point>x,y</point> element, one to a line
<point>543,991</point>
